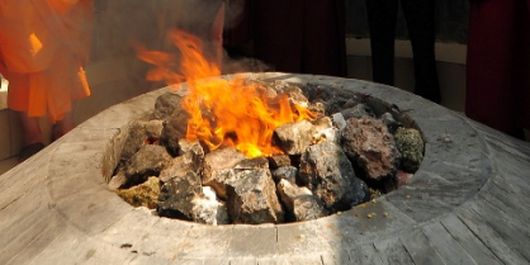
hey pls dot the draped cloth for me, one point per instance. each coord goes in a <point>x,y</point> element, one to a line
<point>43,45</point>
<point>498,66</point>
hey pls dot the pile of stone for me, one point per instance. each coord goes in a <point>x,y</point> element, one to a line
<point>329,164</point>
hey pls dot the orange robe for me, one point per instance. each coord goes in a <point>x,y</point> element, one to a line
<point>43,45</point>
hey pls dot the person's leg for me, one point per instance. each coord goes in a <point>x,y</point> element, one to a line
<point>419,15</point>
<point>63,126</point>
<point>382,16</point>
<point>31,131</point>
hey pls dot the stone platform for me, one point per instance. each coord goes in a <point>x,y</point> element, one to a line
<point>467,204</point>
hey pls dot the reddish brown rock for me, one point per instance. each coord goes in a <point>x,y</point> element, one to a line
<point>180,166</point>
<point>277,161</point>
<point>368,143</point>
<point>217,167</point>
<point>174,129</point>
<point>166,105</point>
<point>140,133</point>
<point>148,161</point>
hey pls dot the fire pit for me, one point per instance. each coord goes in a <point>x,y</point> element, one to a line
<point>466,204</point>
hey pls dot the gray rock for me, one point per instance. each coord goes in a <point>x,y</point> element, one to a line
<point>180,166</point>
<point>177,196</point>
<point>148,161</point>
<point>276,161</point>
<point>368,143</point>
<point>300,201</point>
<point>208,210</point>
<point>252,197</point>
<point>358,111</point>
<point>140,133</point>
<point>288,173</point>
<point>294,138</point>
<point>324,130</point>
<point>166,105</point>
<point>192,147</point>
<point>145,194</point>
<point>174,130</point>
<point>325,170</point>
<point>410,144</point>
<point>390,122</point>
<point>216,168</point>
<point>338,120</point>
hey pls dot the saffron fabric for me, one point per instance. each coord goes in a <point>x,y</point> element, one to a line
<point>43,45</point>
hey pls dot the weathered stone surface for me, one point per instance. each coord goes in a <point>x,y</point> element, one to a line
<point>140,133</point>
<point>277,161</point>
<point>338,120</point>
<point>192,147</point>
<point>166,105</point>
<point>300,201</point>
<point>118,181</point>
<point>325,169</point>
<point>217,166</point>
<point>410,144</point>
<point>288,173</point>
<point>208,210</point>
<point>252,197</point>
<point>174,129</point>
<point>368,142</point>
<point>145,194</point>
<point>180,166</point>
<point>324,130</point>
<point>358,111</point>
<point>294,138</point>
<point>177,195</point>
<point>148,161</point>
<point>390,122</point>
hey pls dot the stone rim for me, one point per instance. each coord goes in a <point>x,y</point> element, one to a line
<point>109,214</point>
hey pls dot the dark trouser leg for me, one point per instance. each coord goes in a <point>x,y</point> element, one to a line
<point>419,15</point>
<point>382,23</point>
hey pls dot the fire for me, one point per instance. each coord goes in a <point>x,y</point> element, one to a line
<point>223,112</point>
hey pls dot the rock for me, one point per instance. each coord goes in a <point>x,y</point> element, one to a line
<point>410,144</point>
<point>252,197</point>
<point>148,161</point>
<point>166,105</point>
<point>324,130</point>
<point>277,161</point>
<point>294,138</point>
<point>145,194</point>
<point>177,196</point>
<point>118,181</point>
<point>294,92</point>
<point>325,170</point>
<point>174,129</point>
<point>208,210</point>
<point>358,111</point>
<point>368,143</point>
<point>180,166</point>
<point>390,122</point>
<point>140,133</point>
<point>317,108</point>
<point>338,120</point>
<point>192,147</point>
<point>288,173</point>
<point>217,166</point>
<point>300,202</point>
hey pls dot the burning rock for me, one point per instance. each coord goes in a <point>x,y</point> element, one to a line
<point>325,169</point>
<point>368,142</point>
<point>148,161</point>
<point>166,105</point>
<point>288,173</point>
<point>217,166</point>
<point>140,133</point>
<point>145,194</point>
<point>300,202</point>
<point>410,144</point>
<point>208,210</point>
<point>252,197</point>
<point>174,129</point>
<point>294,138</point>
<point>177,196</point>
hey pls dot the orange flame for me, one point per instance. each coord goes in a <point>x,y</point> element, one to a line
<point>223,112</point>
